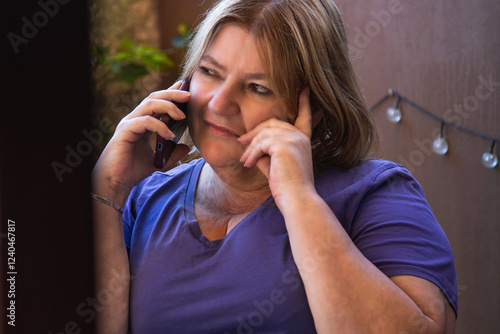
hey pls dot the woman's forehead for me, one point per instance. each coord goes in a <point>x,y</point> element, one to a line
<point>234,46</point>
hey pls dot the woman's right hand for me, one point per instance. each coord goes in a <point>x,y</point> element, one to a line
<point>128,157</point>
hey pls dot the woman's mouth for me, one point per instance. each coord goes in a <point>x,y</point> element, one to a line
<point>221,131</point>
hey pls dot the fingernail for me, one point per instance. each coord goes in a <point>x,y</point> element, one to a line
<point>171,135</point>
<point>180,114</point>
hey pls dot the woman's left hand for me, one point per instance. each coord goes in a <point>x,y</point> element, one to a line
<point>282,152</point>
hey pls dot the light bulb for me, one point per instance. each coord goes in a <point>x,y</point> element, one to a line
<point>394,114</point>
<point>490,160</point>
<point>440,146</point>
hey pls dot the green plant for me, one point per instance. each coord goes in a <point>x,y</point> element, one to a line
<point>132,61</point>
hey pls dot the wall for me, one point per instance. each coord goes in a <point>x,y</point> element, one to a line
<point>171,13</point>
<point>434,53</point>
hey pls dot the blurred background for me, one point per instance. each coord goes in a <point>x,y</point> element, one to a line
<point>84,66</point>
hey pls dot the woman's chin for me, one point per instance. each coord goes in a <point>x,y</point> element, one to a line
<point>217,160</point>
<point>219,154</point>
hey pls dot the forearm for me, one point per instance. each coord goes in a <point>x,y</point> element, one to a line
<point>112,271</point>
<point>346,292</point>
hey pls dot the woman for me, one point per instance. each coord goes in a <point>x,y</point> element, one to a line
<point>282,226</point>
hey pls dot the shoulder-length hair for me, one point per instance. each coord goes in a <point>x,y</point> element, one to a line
<point>301,43</point>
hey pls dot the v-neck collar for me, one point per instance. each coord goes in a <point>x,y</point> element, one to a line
<point>191,219</point>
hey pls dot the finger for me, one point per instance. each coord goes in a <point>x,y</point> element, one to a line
<point>259,148</point>
<point>140,125</point>
<point>165,93</point>
<point>254,155</point>
<point>176,85</point>
<point>155,107</point>
<point>304,117</point>
<point>170,96</point>
<point>258,137</point>
<point>180,96</point>
<point>272,123</point>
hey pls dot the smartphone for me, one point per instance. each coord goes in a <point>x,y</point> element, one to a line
<point>165,147</point>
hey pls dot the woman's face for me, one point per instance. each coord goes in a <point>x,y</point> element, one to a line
<point>230,96</point>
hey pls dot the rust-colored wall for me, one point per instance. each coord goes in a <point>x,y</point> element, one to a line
<point>434,53</point>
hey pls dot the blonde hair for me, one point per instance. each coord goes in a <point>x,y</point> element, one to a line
<point>302,43</point>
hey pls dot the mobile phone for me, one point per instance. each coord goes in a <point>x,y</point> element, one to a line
<point>165,147</point>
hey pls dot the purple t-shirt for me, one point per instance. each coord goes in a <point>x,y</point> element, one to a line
<point>247,282</point>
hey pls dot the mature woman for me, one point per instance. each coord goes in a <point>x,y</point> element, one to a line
<point>283,225</point>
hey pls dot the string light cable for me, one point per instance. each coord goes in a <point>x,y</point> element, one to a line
<point>440,144</point>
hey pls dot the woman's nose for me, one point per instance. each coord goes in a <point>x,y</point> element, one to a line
<point>224,100</point>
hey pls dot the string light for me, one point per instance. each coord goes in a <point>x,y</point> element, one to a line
<point>440,144</point>
<point>490,158</point>
<point>394,114</point>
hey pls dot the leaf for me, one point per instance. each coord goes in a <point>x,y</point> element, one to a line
<point>182,29</point>
<point>126,44</point>
<point>130,73</point>
<point>120,56</point>
<point>132,61</point>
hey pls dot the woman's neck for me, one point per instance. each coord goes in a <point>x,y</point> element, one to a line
<point>231,190</point>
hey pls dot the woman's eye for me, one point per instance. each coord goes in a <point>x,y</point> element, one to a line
<point>206,71</point>
<point>260,89</point>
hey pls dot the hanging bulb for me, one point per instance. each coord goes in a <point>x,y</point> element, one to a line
<point>490,159</point>
<point>440,145</point>
<point>394,114</point>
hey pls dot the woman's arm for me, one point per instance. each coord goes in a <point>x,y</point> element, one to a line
<point>345,291</point>
<point>126,160</point>
<point>111,265</point>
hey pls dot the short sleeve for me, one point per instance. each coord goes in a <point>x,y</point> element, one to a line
<point>128,221</point>
<point>130,213</point>
<point>396,230</point>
